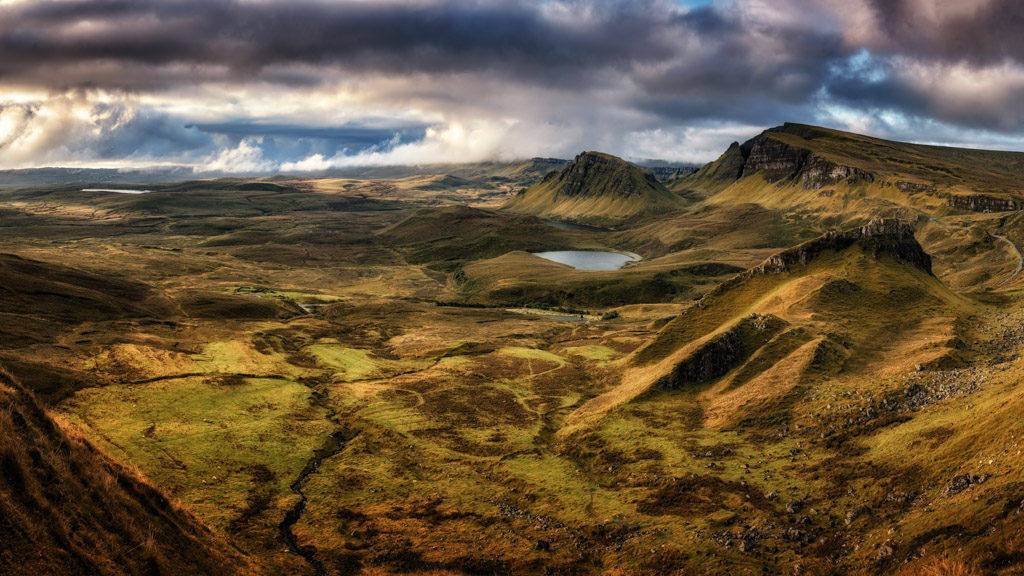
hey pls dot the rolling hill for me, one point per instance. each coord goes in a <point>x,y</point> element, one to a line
<point>811,311</point>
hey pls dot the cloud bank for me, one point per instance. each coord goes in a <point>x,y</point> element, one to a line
<point>269,85</point>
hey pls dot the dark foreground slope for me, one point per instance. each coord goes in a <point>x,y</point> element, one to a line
<point>66,508</point>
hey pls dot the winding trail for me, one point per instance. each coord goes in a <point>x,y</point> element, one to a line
<point>1020,259</point>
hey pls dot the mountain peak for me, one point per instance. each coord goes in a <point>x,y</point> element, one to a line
<point>596,187</point>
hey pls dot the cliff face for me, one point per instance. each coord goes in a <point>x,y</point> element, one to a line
<point>818,173</point>
<point>981,203</point>
<point>777,161</point>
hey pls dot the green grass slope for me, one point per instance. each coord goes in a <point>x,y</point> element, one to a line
<point>446,237</point>
<point>818,309</point>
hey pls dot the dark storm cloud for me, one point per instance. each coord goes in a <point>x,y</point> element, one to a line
<point>146,45</point>
<point>980,32</point>
<point>126,43</point>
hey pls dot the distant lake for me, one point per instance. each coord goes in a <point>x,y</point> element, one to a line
<point>589,260</point>
<point>116,190</point>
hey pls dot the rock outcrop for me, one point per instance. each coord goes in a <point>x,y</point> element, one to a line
<point>725,351</point>
<point>981,203</point>
<point>914,187</point>
<point>882,236</point>
<point>777,160</point>
<point>817,172</point>
<point>962,482</point>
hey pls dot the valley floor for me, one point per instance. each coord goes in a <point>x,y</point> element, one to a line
<point>446,431</point>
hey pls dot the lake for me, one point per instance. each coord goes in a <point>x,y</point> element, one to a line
<point>589,260</point>
<point>116,190</point>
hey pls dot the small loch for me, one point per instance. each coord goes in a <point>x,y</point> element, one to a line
<point>590,260</point>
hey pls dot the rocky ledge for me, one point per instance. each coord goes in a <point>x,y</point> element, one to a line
<point>881,236</point>
<point>777,161</point>
<point>981,203</point>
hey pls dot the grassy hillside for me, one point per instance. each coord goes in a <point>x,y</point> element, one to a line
<point>447,237</point>
<point>596,188</point>
<point>372,376</point>
<point>816,309</point>
<point>67,508</point>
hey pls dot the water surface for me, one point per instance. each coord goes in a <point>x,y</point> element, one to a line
<point>116,190</point>
<point>589,260</point>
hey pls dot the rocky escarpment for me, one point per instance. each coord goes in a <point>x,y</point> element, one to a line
<point>882,236</point>
<point>817,173</point>
<point>592,174</point>
<point>981,203</point>
<point>776,161</point>
<point>879,237</point>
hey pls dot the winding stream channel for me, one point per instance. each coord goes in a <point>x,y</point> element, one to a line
<point>332,445</point>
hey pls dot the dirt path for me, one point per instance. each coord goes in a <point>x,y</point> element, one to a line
<point>1020,259</point>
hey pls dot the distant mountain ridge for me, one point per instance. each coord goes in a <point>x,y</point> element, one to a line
<point>820,166</point>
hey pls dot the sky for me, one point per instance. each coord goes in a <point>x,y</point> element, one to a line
<point>263,86</point>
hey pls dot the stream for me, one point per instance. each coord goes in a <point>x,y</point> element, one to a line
<point>332,445</point>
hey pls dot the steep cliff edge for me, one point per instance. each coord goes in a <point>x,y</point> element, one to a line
<point>882,236</point>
